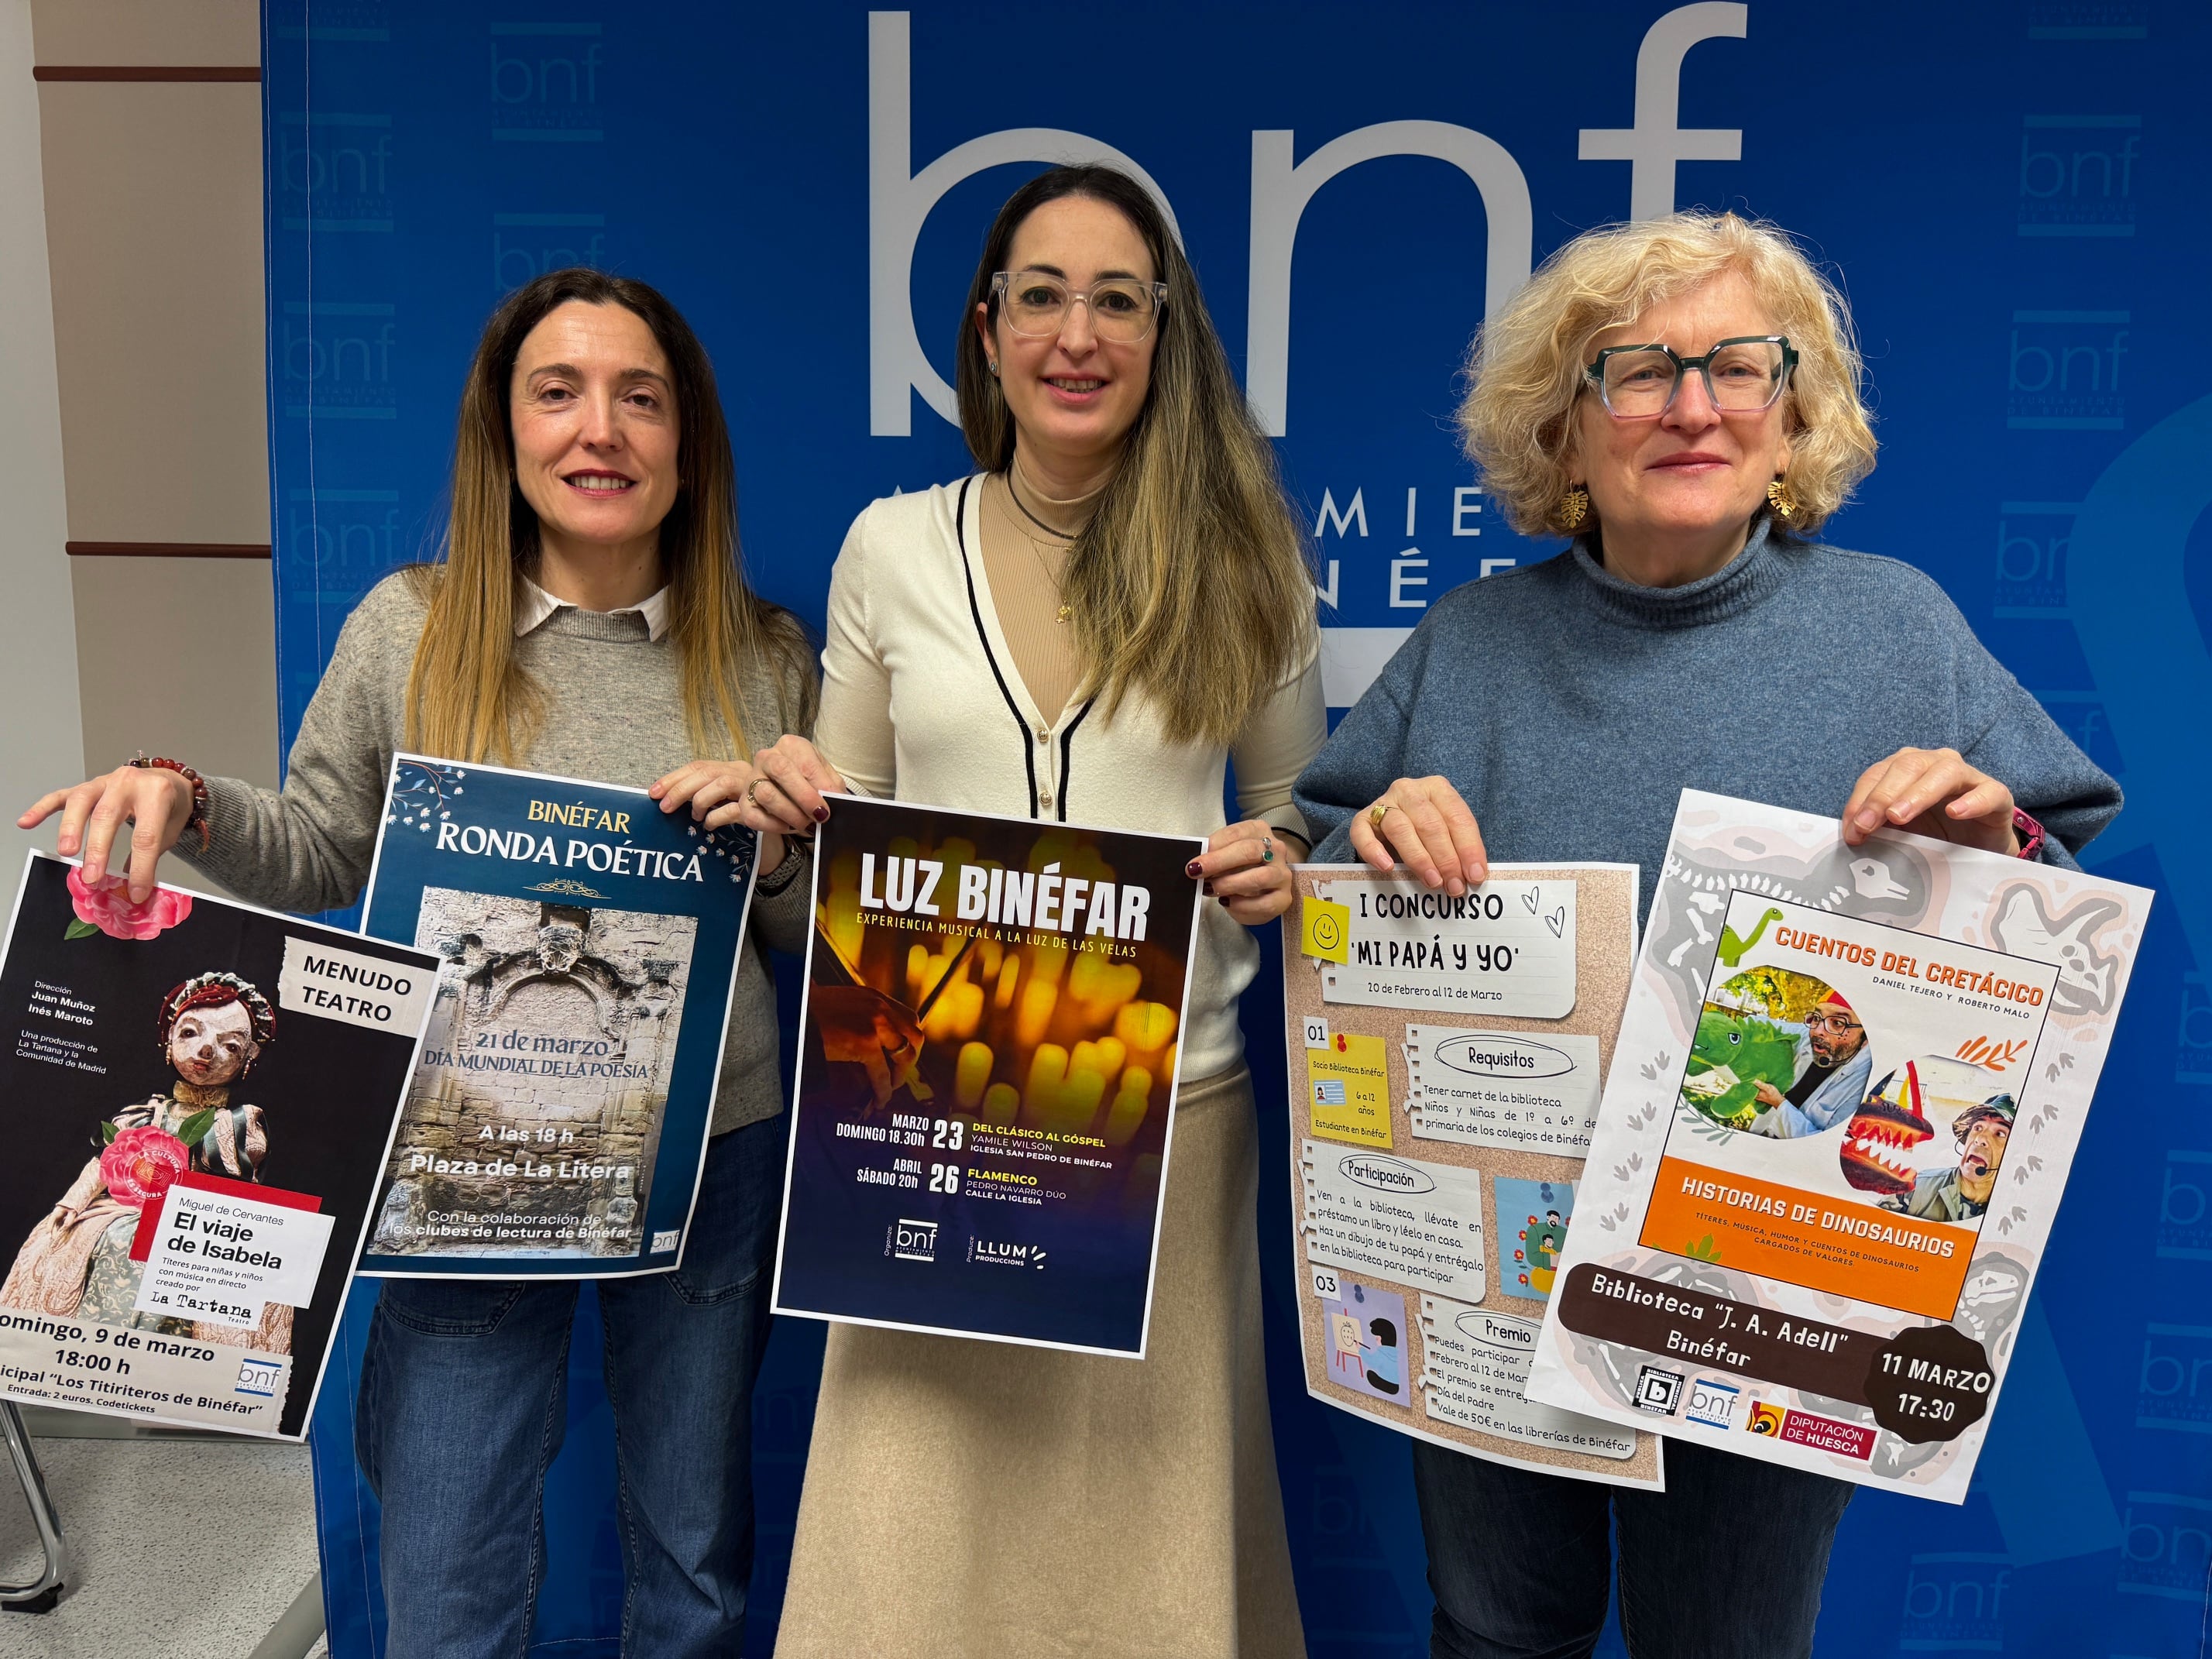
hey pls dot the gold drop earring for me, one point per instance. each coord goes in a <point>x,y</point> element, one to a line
<point>1779,498</point>
<point>1574,508</point>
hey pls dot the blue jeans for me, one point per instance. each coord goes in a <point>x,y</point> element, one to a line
<point>463,1399</point>
<point>1726,1564</point>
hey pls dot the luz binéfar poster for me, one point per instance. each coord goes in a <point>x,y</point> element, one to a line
<point>199,1097</point>
<point>588,944</point>
<point>986,1075</point>
<point>1850,1087</point>
<point>1446,1053</point>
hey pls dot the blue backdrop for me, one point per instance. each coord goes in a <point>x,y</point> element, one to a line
<point>2014,192</point>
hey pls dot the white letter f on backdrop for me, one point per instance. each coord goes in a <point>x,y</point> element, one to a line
<point>1656,141</point>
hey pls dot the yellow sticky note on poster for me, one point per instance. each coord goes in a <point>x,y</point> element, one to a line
<point>1327,931</point>
<point>1348,1090</point>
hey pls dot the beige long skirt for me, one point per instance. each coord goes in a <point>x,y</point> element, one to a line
<point>974,1500</point>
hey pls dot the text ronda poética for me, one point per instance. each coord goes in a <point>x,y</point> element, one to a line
<point>1046,901</point>
<point>522,847</point>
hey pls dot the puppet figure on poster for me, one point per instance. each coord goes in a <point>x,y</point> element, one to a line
<point>987,1076</point>
<point>588,948</point>
<point>201,1097</point>
<point>1818,1191</point>
<point>1446,1055</point>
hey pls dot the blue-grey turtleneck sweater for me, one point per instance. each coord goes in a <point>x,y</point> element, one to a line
<point>1569,708</point>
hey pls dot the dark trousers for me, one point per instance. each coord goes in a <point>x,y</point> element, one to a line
<point>1726,1564</point>
<point>464,1397</point>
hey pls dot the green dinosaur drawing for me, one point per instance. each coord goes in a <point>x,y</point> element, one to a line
<point>1732,948</point>
<point>1754,1050</point>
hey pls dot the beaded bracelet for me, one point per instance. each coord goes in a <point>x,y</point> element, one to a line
<point>198,817</point>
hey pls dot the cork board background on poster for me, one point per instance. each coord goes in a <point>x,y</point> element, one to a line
<point>1605,954</point>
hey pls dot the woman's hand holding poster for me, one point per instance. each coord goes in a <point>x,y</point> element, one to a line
<point>987,1076</point>
<point>1853,1080</point>
<point>200,1098</point>
<point>1445,1059</point>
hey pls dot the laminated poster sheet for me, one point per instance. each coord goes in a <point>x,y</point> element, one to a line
<point>587,946</point>
<point>1850,1084</point>
<point>1446,1056</point>
<point>200,1097</point>
<point>987,1076</point>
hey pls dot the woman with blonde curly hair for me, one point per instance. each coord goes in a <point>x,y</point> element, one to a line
<point>1681,396</point>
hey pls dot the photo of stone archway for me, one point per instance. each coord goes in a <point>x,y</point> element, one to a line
<point>534,1118</point>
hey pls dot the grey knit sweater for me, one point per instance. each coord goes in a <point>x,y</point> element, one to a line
<point>614,714</point>
<point>1570,708</point>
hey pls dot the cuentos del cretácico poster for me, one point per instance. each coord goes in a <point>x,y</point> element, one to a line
<point>1850,1084</point>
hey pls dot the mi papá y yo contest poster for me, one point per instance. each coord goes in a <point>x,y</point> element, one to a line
<point>1849,1086</point>
<point>587,946</point>
<point>1446,1055</point>
<point>986,1075</point>
<point>200,1096</point>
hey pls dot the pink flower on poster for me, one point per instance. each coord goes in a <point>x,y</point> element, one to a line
<point>105,907</point>
<point>141,1163</point>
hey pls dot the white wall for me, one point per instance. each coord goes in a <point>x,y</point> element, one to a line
<point>41,738</point>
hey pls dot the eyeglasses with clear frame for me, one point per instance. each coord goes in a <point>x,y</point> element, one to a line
<point>1035,304</point>
<point>1743,375</point>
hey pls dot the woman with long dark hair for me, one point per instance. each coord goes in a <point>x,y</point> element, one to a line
<point>589,618</point>
<point>1088,628</point>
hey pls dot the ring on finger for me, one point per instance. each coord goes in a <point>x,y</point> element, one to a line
<point>752,793</point>
<point>1376,813</point>
<point>1266,849</point>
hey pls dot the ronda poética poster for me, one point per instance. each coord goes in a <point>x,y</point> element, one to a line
<point>1446,1055</point>
<point>986,1075</point>
<point>587,946</point>
<point>199,1099</point>
<point>1849,1085</point>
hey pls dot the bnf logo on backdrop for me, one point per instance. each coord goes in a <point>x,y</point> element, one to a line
<point>2173,1381</point>
<point>2166,1547</point>
<point>333,171</point>
<point>2077,174</point>
<point>357,535</point>
<point>900,199</point>
<point>2065,371</point>
<point>2031,542</point>
<point>545,83</point>
<point>2192,1060</point>
<point>2184,1212</point>
<point>337,360</point>
<point>1955,1601</point>
<point>525,246</point>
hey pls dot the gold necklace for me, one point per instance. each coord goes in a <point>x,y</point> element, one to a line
<point>1037,549</point>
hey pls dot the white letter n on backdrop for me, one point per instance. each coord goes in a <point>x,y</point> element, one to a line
<point>1656,141</point>
<point>898,202</point>
<point>1281,192</point>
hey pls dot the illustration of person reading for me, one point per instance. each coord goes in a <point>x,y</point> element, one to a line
<point>1828,1090</point>
<point>1963,1192</point>
<point>77,1262</point>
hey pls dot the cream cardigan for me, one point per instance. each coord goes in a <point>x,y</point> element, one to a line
<point>920,703</point>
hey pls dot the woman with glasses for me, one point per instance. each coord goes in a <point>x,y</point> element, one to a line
<point>1681,396</point>
<point>1085,630</point>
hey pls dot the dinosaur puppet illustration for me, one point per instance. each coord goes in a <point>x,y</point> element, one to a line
<point>1734,1054</point>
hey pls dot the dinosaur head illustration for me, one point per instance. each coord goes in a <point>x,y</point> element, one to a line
<point>2021,923</point>
<point>1877,1150</point>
